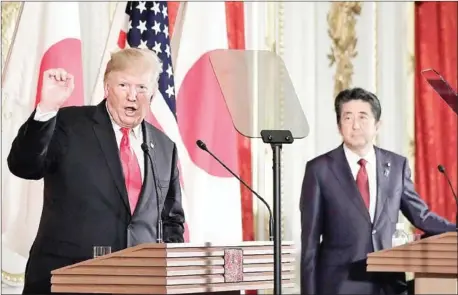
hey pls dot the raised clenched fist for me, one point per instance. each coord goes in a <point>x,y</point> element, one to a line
<point>57,87</point>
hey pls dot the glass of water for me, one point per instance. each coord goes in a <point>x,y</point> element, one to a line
<point>100,251</point>
<point>416,237</point>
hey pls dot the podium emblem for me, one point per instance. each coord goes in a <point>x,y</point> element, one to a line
<point>233,265</point>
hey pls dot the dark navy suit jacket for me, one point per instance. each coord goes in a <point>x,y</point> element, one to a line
<point>331,206</point>
<point>85,197</point>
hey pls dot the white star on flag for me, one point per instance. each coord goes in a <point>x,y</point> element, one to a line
<point>143,44</point>
<point>157,47</point>
<point>142,26</point>
<point>167,50</point>
<point>155,8</point>
<point>170,71</point>
<point>141,6</point>
<point>164,11</point>
<point>156,28</point>
<point>170,91</point>
<point>166,31</point>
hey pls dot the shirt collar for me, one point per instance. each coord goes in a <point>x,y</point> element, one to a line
<point>352,157</point>
<point>136,130</point>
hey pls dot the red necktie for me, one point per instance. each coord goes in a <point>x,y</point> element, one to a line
<point>362,181</point>
<point>132,174</point>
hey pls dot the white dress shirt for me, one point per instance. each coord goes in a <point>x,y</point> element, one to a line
<point>371,168</point>
<point>135,136</point>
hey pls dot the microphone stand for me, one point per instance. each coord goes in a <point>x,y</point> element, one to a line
<point>276,139</point>
<point>159,238</point>
<point>443,171</point>
<point>203,147</point>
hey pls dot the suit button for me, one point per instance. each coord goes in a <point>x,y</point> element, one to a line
<point>374,231</point>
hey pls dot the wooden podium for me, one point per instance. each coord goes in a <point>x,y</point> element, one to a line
<point>178,269</point>
<point>433,260</point>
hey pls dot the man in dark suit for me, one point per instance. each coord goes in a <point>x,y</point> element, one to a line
<point>100,186</point>
<point>350,201</point>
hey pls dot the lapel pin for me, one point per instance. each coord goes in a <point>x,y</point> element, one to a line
<point>386,171</point>
<point>152,145</point>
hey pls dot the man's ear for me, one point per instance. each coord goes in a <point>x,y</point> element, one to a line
<point>105,90</point>
<point>339,129</point>
<point>153,94</point>
<point>378,125</point>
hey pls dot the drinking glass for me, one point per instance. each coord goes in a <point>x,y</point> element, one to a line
<point>416,237</point>
<point>101,250</point>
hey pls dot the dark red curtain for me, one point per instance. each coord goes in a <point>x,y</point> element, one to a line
<point>435,123</point>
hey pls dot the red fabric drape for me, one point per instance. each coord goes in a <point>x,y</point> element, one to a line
<point>435,123</point>
<point>236,40</point>
<point>172,7</point>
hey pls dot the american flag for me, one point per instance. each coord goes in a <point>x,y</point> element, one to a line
<point>148,27</point>
<point>179,107</point>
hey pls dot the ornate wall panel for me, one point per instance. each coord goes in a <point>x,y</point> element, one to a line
<point>10,14</point>
<point>342,19</point>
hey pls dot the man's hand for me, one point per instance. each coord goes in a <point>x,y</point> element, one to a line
<point>57,87</point>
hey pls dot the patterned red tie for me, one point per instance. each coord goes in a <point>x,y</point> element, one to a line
<point>131,168</point>
<point>362,181</point>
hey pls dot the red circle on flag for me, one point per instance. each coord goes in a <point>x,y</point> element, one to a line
<point>65,54</point>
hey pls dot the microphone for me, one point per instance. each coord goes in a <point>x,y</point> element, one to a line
<point>203,147</point>
<point>159,239</point>
<point>442,170</point>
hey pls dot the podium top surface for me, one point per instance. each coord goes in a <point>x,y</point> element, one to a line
<point>436,255</point>
<point>185,268</point>
<point>210,245</point>
<point>168,253</point>
<point>444,242</point>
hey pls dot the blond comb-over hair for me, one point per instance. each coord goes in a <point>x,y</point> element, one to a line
<point>137,59</point>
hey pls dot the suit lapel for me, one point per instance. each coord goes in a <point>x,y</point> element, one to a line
<point>383,169</point>
<point>342,172</point>
<point>104,132</point>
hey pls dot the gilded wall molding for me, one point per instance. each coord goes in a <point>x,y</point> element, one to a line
<point>270,43</point>
<point>342,22</point>
<point>410,59</point>
<point>10,14</point>
<point>11,279</point>
<point>375,58</point>
<point>274,41</point>
<point>281,103</point>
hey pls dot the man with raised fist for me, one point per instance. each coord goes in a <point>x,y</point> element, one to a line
<point>110,178</point>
